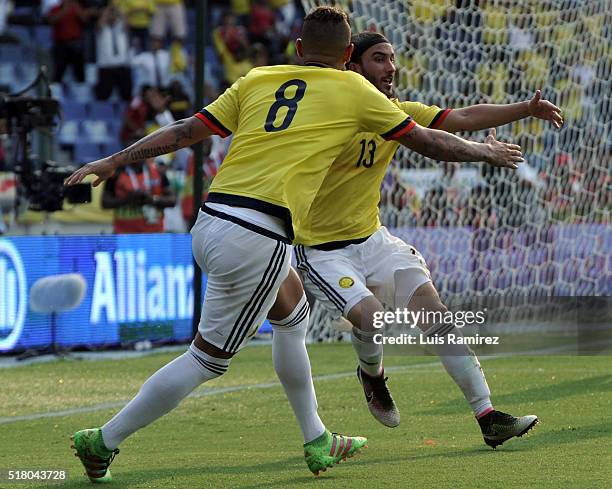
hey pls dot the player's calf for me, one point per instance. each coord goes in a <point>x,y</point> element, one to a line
<point>370,353</point>
<point>292,365</point>
<point>161,393</point>
<point>464,368</point>
<point>462,365</point>
<point>458,359</point>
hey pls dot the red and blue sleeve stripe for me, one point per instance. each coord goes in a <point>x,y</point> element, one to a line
<point>213,123</point>
<point>439,118</point>
<point>402,128</point>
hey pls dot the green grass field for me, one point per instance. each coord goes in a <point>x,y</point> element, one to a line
<point>247,437</point>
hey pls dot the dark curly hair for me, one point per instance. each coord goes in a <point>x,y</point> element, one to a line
<point>364,41</point>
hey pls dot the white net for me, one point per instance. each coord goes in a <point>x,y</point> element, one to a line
<point>544,230</point>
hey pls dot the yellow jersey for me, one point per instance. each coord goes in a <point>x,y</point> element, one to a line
<point>346,205</point>
<point>289,124</point>
<point>138,13</point>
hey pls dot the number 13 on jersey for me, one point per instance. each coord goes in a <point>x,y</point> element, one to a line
<point>283,101</point>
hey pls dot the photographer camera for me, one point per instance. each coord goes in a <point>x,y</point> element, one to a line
<point>40,183</point>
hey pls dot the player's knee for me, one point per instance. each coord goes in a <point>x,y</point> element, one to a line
<point>429,308</point>
<point>363,315</point>
<point>203,346</point>
<point>295,321</point>
<point>426,298</point>
<point>290,296</point>
<point>432,315</point>
<point>209,365</point>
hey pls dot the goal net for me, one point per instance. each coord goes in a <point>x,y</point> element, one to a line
<point>545,229</point>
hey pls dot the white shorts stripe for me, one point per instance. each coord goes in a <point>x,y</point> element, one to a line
<point>317,280</point>
<point>370,266</point>
<point>244,270</point>
<point>253,307</point>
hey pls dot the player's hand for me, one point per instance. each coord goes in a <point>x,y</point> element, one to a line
<point>503,155</point>
<point>543,109</point>
<point>103,169</point>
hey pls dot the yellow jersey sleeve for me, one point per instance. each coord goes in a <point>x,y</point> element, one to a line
<point>425,115</point>
<point>289,124</point>
<point>346,204</point>
<point>221,116</point>
<point>380,115</point>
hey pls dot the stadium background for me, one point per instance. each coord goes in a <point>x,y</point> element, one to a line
<point>542,231</point>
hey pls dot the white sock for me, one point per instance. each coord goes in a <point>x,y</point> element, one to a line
<point>292,366</point>
<point>162,392</point>
<point>462,365</point>
<point>370,354</point>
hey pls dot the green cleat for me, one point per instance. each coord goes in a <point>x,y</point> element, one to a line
<point>94,455</point>
<point>330,449</point>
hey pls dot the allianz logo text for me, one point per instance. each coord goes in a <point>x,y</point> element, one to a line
<point>128,289</point>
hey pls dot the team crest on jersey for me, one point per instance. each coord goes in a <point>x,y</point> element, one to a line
<point>346,282</point>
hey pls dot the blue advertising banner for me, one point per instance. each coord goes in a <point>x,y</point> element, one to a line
<point>138,287</point>
<point>546,260</point>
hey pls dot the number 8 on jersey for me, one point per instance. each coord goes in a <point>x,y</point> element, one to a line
<point>283,101</point>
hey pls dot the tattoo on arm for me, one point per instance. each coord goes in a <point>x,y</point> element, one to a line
<point>144,153</point>
<point>455,149</point>
<point>181,131</point>
<point>446,147</point>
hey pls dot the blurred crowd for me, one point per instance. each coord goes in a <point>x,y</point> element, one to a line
<point>123,68</point>
<point>461,52</point>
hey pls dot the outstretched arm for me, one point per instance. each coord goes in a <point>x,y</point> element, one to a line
<point>444,146</point>
<point>167,139</point>
<point>483,116</point>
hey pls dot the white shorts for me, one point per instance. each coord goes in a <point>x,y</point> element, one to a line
<point>244,271</point>
<point>341,278</point>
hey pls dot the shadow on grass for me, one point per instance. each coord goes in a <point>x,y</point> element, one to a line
<point>536,439</point>
<point>550,392</point>
<point>207,475</point>
<point>295,474</point>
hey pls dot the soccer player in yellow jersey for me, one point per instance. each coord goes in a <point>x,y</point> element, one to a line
<point>346,255</point>
<point>289,125</point>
